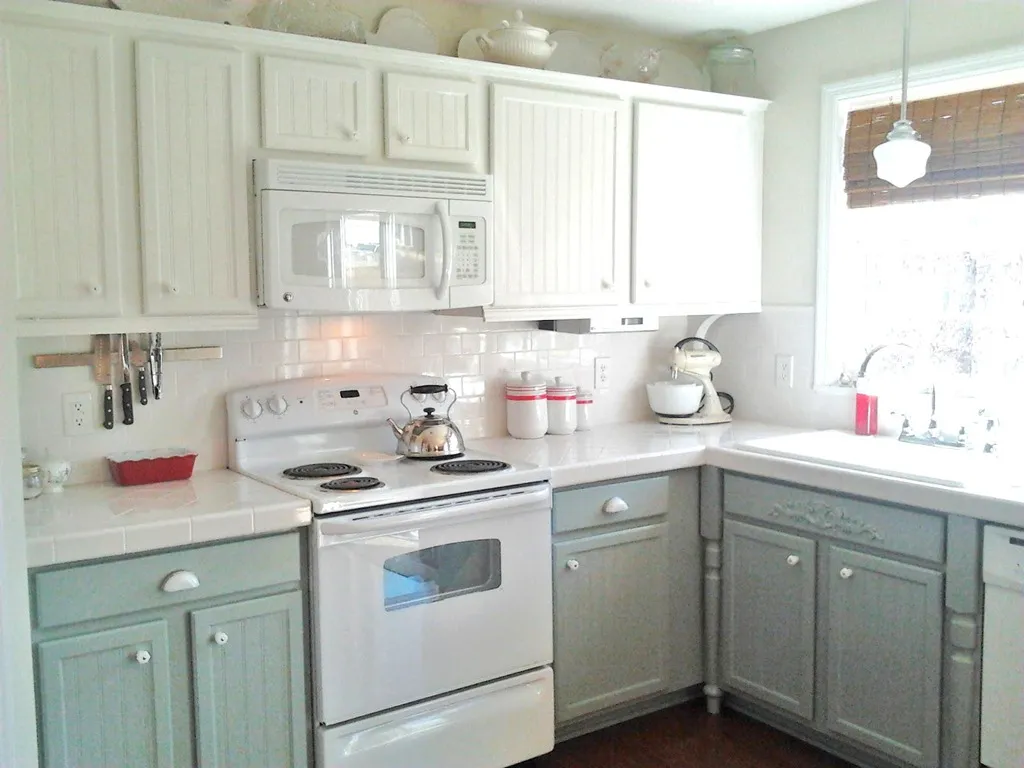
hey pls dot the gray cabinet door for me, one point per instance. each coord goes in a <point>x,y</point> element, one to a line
<point>105,699</point>
<point>249,677</point>
<point>768,604</point>
<point>611,619</point>
<point>884,646</point>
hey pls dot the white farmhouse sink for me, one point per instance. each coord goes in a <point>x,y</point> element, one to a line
<point>878,455</point>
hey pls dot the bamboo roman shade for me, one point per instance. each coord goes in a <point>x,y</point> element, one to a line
<point>977,141</point>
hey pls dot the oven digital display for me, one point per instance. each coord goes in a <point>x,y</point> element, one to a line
<point>349,393</point>
<point>467,225</point>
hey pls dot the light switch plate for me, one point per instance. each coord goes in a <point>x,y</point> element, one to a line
<point>602,373</point>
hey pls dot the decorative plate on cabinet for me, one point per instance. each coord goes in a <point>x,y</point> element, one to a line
<point>219,11</point>
<point>633,63</point>
<point>406,29</point>
<point>469,48</point>
<point>678,71</point>
<point>576,54</point>
<point>313,18</point>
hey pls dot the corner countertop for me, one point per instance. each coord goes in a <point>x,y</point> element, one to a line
<point>106,520</point>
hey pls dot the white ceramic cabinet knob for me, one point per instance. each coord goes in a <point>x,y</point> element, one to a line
<point>607,285</point>
<point>221,638</point>
<point>251,409</point>
<point>404,137</point>
<point>845,573</point>
<point>572,565</point>
<point>171,288</point>
<point>142,657</point>
<point>277,405</point>
<point>793,560</point>
<point>178,581</point>
<point>614,506</point>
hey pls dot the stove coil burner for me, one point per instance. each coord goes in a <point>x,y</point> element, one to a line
<point>470,467</point>
<point>311,471</point>
<point>352,484</point>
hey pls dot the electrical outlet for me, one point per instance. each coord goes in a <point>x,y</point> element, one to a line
<point>784,371</point>
<point>79,417</point>
<point>602,373</point>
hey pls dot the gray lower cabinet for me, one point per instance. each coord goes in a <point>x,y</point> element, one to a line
<point>768,616</point>
<point>105,698</point>
<point>611,622</point>
<point>204,665</point>
<point>884,646</point>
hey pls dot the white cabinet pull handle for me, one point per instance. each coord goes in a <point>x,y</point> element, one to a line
<point>845,573</point>
<point>614,506</point>
<point>180,581</point>
<point>572,565</point>
<point>793,560</point>
<point>220,638</point>
<point>142,657</point>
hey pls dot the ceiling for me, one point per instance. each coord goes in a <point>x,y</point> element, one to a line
<point>689,17</point>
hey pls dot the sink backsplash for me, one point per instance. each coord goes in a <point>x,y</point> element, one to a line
<point>475,358</point>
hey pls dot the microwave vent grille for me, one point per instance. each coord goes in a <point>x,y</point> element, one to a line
<point>326,177</point>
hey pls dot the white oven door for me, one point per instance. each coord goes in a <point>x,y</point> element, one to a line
<point>415,602</point>
<point>355,253</point>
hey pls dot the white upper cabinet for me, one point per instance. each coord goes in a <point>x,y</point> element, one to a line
<point>562,188</point>
<point>194,164</point>
<point>697,209</point>
<point>433,119</point>
<point>58,111</point>
<point>315,107</point>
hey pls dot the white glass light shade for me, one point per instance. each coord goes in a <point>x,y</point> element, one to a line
<point>903,157</point>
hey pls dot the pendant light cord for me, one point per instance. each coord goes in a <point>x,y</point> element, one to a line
<point>906,57</point>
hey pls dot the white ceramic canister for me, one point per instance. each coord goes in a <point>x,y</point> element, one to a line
<point>561,407</point>
<point>526,406</point>
<point>584,409</point>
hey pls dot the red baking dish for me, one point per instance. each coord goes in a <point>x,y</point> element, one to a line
<point>144,467</point>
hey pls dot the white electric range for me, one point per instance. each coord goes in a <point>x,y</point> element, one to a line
<point>430,592</point>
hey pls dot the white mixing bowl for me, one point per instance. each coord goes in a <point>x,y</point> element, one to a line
<point>674,398</point>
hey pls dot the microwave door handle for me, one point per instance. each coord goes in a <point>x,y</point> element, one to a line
<point>446,250</point>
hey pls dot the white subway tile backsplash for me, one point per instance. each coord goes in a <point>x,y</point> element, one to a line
<point>476,357</point>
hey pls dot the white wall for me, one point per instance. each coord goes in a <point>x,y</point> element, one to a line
<point>793,64</point>
<point>473,356</point>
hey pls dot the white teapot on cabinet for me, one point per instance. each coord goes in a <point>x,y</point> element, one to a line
<point>517,43</point>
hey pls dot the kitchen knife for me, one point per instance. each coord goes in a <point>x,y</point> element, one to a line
<point>156,364</point>
<point>143,393</point>
<point>102,374</point>
<point>126,382</point>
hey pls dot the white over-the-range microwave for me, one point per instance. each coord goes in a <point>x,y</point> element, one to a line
<point>343,238</point>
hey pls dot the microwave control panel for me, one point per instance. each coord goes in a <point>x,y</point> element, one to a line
<point>469,265</point>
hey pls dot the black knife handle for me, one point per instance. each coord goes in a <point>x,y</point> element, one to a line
<point>108,408</point>
<point>126,403</point>
<point>143,395</point>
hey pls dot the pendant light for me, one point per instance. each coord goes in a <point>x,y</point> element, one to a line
<point>903,157</point>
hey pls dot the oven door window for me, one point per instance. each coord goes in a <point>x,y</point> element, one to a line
<point>441,573</point>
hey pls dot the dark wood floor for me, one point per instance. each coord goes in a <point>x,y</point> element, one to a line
<point>686,737</point>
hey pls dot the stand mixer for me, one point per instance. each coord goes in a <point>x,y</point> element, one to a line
<point>698,363</point>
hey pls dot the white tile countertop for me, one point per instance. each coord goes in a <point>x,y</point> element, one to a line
<point>106,520</point>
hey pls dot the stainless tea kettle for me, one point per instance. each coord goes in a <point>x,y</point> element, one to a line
<point>429,436</point>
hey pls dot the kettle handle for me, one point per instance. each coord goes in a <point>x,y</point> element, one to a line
<point>428,389</point>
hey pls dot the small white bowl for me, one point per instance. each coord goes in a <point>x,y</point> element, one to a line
<point>674,398</point>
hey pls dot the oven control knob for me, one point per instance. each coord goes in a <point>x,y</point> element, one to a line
<point>277,405</point>
<point>251,409</point>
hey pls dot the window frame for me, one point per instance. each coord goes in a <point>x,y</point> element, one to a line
<point>996,68</point>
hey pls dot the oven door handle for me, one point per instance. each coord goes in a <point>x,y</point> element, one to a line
<point>446,251</point>
<point>337,530</point>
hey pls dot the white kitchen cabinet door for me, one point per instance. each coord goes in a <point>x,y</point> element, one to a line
<point>193,162</point>
<point>434,119</point>
<point>315,107</point>
<point>562,187</point>
<point>59,112</point>
<point>697,208</point>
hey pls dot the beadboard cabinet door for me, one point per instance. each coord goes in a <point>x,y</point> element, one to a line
<point>313,106</point>
<point>59,112</point>
<point>612,634</point>
<point>561,165</point>
<point>697,208</point>
<point>105,699</point>
<point>250,683</point>
<point>435,119</point>
<point>768,616</point>
<point>193,189</point>
<point>884,646</point>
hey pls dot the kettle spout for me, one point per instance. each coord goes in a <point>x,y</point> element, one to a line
<point>395,428</point>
